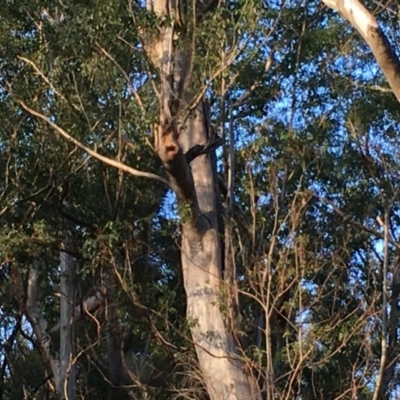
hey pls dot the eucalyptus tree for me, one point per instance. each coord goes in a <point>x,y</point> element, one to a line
<point>271,259</point>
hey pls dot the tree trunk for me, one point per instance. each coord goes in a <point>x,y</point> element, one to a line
<point>38,322</point>
<point>222,370</point>
<point>66,389</point>
<point>201,262</point>
<point>61,367</point>
<point>392,360</point>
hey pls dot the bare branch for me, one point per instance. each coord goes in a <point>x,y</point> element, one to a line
<point>90,305</point>
<point>128,81</point>
<point>92,153</point>
<point>357,224</point>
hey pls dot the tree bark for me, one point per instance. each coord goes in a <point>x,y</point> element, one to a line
<point>222,370</point>
<point>66,389</point>
<point>393,358</point>
<point>39,323</point>
<point>366,24</point>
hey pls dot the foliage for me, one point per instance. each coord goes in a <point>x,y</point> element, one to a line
<point>316,166</point>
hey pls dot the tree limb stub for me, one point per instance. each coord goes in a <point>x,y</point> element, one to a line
<point>200,149</point>
<point>178,169</point>
<point>365,23</point>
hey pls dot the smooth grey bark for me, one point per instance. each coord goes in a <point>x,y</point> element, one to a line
<point>59,366</point>
<point>366,24</point>
<point>222,369</point>
<point>67,379</point>
<point>39,323</point>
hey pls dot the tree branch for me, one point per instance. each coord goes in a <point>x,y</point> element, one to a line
<point>92,153</point>
<point>357,224</point>
<point>365,23</point>
<point>90,305</point>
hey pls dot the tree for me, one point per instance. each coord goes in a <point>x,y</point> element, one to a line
<point>278,245</point>
<point>366,24</point>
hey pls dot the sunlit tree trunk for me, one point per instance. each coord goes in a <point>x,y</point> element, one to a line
<point>367,26</point>
<point>195,186</point>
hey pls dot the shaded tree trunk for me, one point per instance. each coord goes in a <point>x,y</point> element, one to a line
<point>393,358</point>
<point>62,367</point>
<point>39,323</point>
<point>66,389</point>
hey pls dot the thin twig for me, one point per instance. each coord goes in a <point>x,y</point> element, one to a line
<point>357,224</point>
